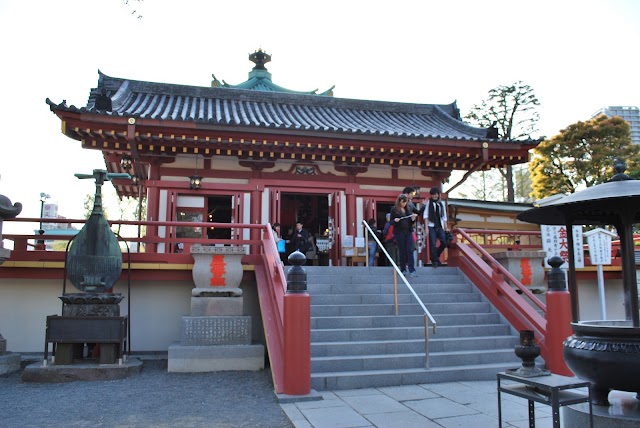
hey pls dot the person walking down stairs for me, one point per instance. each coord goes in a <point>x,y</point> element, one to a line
<point>402,220</point>
<point>435,215</point>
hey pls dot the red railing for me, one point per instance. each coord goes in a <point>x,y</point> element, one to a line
<point>263,255</point>
<point>489,276</point>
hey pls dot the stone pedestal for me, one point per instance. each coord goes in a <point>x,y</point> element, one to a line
<point>624,412</point>
<point>216,336</point>
<point>4,255</point>
<point>526,266</point>
<point>85,306</point>
<point>9,362</point>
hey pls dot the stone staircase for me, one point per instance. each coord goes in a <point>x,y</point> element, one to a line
<point>357,341</point>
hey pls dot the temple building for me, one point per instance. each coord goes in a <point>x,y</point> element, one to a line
<point>259,153</point>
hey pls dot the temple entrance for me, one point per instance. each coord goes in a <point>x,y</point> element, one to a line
<point>312,210</point>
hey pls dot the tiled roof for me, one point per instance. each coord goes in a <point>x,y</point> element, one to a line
<point>490,205</point>
<point>281,111</point>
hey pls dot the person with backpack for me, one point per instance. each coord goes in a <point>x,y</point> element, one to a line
<point>389,241</point>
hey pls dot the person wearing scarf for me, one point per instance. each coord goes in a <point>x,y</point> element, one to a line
<point>435,215</point>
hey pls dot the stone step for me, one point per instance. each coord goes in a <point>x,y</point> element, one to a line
<point>405,309</point>
<point>411,360</point>
<point>358,341</point>
<point>411,332</point>
<point>341,380</point>
<point>393,347</point>
<point>403,298</point>
<point>338,288</point>
<point>401,320</point>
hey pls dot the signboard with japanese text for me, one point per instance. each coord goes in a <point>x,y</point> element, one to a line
<point>555,243</point>
<point>599,241</point>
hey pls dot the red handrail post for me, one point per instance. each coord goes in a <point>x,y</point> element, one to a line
<point>558,329</point>
<point>297,343</point>
<point>558,318</point>
<point>297,329</point>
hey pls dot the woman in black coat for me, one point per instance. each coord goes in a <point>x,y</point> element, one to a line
<point>402,219</point>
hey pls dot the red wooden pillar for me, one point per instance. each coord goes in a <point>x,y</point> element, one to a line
<point>256,205</point>
<point>351,213</point>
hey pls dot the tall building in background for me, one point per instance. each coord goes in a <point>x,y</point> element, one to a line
<point>630,114</point>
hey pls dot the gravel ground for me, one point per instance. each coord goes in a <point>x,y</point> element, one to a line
<point>154,398</point>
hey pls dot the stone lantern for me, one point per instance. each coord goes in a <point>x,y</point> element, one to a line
<point>9,362</point>
<point>605,352</point>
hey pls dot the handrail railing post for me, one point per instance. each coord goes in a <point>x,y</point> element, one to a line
<point>427,314</point>
<point>426,341</point>
<point>395,290</point>
<point>297,329</point>
<point>558,318</point>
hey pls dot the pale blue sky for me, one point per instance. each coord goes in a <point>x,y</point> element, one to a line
<point>577,55</point>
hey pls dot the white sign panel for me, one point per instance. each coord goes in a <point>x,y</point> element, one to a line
<point>555,243</point>
<point>599,248</point>
<point>347,241</point>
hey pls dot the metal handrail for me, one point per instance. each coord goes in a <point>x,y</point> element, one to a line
<point>396,272</point>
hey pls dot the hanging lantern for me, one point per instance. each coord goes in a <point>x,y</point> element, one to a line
<point>126,162</point>
<point>195,182</point>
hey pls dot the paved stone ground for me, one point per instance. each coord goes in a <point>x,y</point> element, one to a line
<point>154,398</point>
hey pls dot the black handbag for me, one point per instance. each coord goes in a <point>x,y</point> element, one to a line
<point>448,236</point>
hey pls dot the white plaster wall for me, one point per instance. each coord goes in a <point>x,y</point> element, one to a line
<point>156,308</point>
<point>589,299</point>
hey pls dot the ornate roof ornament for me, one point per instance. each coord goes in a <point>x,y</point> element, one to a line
<point>260,78</point>
<point>259,58</point>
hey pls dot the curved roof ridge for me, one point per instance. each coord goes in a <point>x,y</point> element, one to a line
<point>284,111</point>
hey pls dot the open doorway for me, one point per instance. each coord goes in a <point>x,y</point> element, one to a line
<point>219,210</point>
<point>311,210</point>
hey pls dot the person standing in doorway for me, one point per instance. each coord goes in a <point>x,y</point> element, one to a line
<point>435,215</point>
<point>402,220</point>
<point>300,239</point>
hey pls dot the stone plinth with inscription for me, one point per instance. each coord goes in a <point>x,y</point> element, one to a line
<point>525,266</point>
<point>217,267</point>
<point>216,336</point>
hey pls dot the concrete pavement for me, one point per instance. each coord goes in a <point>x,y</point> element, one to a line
<point>449,405</point>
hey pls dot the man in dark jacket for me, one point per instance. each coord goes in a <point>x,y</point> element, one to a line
<point>300,239</point>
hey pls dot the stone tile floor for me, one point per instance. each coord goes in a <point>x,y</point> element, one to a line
<point>449,405</point>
